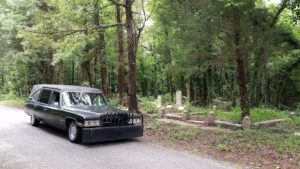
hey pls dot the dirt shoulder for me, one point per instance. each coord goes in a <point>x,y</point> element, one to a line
<point>269,148</point>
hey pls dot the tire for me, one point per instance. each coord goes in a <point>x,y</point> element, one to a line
<point>34,121</point>
<point>74,132</point>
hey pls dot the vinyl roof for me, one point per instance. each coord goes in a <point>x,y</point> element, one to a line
<point>67,88</point>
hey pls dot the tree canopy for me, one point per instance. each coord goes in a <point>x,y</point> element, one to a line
<point>242,51</point>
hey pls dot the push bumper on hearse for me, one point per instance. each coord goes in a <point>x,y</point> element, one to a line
<point>101,134</point>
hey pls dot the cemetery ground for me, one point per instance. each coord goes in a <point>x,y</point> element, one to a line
<point>276,146</point>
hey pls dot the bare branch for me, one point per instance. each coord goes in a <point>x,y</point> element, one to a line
<point>282,6</point>
<point>63,33</point>
<point>117,3</point>
<point>144,16</point>
<point>106,6</point>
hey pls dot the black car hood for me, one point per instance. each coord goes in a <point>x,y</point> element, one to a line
<point>93,111</point>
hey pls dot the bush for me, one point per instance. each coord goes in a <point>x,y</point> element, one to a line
<point>9,96</point>
<point>297,111</point>
<point>223,147</point>
<point>147,105</point>
<point>11,100</point>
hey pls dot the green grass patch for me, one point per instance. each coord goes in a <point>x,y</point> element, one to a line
<point>257,114</point>
<point>11,100</point>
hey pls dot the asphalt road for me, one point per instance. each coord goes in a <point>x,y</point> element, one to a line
<point>25,147</point>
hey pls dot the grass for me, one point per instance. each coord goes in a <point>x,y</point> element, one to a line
<point>147,105</point>
<point>257,114</point>
<point>11,100</point>
<point>234,115</point>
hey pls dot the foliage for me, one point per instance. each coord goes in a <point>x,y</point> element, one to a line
<point>11,100</point>
<point>186,45</point>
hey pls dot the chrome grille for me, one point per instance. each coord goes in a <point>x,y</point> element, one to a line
<point>116,119</point>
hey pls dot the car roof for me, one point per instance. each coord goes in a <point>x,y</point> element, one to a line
<point>67,88</point>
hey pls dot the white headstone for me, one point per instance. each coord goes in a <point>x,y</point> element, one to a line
<point>178,98</point>
<point>159,101</point>
<point>180,108</point>
<point>169,107</point>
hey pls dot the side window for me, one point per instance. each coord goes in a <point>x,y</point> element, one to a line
<point>44,96</point>
<point>55,98</point>
<point>35,95</point>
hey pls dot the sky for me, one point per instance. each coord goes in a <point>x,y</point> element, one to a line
<point>272,1</point>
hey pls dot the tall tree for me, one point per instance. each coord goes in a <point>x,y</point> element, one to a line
<point>121,53</point>
<point>100,49</point>
<point>240,68</point>
<point>131,40</point>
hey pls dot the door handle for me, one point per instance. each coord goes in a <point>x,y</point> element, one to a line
<point>45,109</point>
<point>35,106</point>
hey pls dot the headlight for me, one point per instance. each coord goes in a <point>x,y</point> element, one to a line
<point>91,123</point>
<point>135,121</point>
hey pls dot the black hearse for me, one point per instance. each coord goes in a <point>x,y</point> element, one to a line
<point>83,111</point>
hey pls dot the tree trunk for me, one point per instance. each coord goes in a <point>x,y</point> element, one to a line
<point>169,63</point>
<point>133,106</point>
<point>240,68</point>
<point>61,72</point>
<point>73,73</point>
<point>100,50</point>
<point>103,68</point>
<point>86,66</point>
<point>121,57</point>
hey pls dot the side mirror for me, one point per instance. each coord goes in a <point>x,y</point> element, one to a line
<point>30,98</point>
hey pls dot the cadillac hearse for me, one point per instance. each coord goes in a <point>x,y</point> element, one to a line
<point>83,112</point>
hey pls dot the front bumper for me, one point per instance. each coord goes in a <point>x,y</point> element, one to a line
<point>101,134</point>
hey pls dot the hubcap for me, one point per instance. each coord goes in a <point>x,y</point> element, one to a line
<point>72,131</point>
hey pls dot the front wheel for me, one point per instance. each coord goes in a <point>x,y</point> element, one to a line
<point>34,121</point>
<point>74,132</point>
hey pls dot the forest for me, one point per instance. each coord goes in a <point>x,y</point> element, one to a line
<point>245,52</point>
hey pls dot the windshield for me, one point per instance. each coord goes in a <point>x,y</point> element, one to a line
<point>84,99</point>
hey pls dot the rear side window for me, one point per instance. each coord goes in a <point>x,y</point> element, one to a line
<point>44,96</point>
<point>35,95</point>
<point>55,98</point>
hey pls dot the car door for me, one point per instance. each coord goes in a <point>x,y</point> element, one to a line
<point>43,104</point>
<point>56,115</point>
<point>31,104</point>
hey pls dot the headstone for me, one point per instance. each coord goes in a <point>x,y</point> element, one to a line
<point>246,123</point>
<point>178,98</point>
<point>211,118</point>
<point>180,108</point>
<point>214,108</point>
<point>221,105</point>
<point>161,112</point>
<point>186,115</point>
<point>159,101</point>
<point>188,92</point>
<point>169,107</point>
